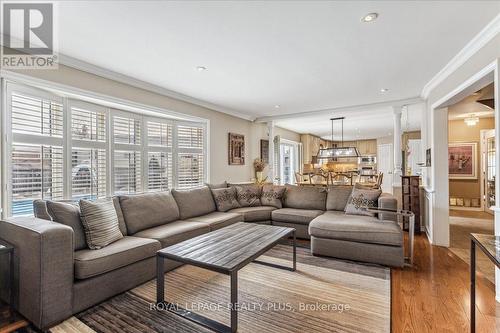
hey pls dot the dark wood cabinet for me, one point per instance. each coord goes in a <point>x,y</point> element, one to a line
<point>411,198</point>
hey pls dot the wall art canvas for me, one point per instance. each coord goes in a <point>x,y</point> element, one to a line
<point>462,160</point>
<point>236,149</point>
<point>264,151</point>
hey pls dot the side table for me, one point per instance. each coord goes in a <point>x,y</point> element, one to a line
<point>6,250</point>
<point>490,245</point>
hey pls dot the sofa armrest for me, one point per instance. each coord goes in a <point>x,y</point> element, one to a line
<point>387,201</point>
<point>43,268</point>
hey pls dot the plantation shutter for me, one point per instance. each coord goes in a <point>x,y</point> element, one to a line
<point>159,159</point>
<point>88,151</point>
<point>190,156</point>
<point>127,157</point>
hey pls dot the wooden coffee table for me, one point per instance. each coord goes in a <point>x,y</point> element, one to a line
<point>225,251</point>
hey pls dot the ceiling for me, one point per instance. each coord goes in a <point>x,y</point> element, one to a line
<point>301,55</point>
<point>370,124</point>
<point>470,107</point>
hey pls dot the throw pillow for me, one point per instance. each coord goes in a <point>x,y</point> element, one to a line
<point>272,195</point>
<point>360,199</point>
<point>100,223</point>
<point>248,196</point>
<point>215,186</point>
<point>68,214</point>
<point>225,198</point>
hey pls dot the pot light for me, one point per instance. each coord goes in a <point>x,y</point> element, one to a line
<point>471,120</point>
<point>369,17</point>
<point>277,106</point>
<point>201,68</point>
<point>384,90</point>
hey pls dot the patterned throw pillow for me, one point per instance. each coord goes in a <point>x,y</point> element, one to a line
<point>362,198</point>
<point>100,223</point>
<point>272,195</point>
<point>225,198</point>
<point>248,196</point>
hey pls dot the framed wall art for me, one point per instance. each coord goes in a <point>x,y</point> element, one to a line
<point>264,151</point>
<point>462,160</point>
<point>236,149</point>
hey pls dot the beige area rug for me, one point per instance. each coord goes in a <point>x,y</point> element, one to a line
<point>461,228</point>
<point>323,295</point>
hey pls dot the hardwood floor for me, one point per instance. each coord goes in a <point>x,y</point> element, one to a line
<point>433,296</point>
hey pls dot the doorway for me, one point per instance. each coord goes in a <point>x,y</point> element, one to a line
<point>385,166</point>
<point>289,158</point>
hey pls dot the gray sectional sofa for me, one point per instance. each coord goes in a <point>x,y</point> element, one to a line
<point>58,276</point>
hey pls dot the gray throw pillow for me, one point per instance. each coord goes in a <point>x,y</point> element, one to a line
<point>68,214</point>
<point>360,199</point>
<point>272,195</point>
<point>248,196</point>
<point>225,198</point>
<point>100,223</point>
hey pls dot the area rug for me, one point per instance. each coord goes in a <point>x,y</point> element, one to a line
<point>323,295</point>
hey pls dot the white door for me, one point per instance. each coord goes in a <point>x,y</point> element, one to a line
<point>289,162</point>
<point>488,169</point>
<point>385,164</point>
<point>414,156</point>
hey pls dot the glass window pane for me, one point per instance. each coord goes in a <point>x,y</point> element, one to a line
<point>127,172</point>
<point>88,173</point>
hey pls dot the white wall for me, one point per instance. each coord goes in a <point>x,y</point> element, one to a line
<point>220,124</point>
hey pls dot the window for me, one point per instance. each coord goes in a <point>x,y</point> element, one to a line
<point>88,150</point>
<point>36,152</point>
<point>190,161</point>
<point>159,162</point>
<point>62,148</point>
<point>127,153</point>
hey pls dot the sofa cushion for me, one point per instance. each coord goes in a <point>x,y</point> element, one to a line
<point>174,232</point>
<point>294,215</point>
<point>195,202</point>
<point>361,198</point>
<point>119,213</point>
<point>143,211</point>
<point>248,196</point>
<point>225,198</point>
<point>217,220</point>
<point>272,195</point>
<point>364,229</point>
<point>100,223</point>
<point>40,209</point>
<point>305,197</point>
<point>337,196</point>
<point>254,214</point>
<point>123,252</point>
<point>68,214</point>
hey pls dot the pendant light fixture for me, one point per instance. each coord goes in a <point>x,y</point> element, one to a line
<point>333,153</point>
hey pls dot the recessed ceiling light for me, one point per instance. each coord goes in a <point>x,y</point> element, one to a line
<point>201,68</point>
<point>277,106</point>
<point>369,17</point>
<point>384,90</point>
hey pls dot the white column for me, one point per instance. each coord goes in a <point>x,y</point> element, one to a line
<point>270,167</point>
<point>397,110</point>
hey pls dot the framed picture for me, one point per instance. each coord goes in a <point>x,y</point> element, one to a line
<point>264,151</point>
<point>428,157</point>
<point>462,160</point>
<point>236,149</point>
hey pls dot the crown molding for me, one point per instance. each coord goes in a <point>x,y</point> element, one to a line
<point>354,110</point>
<point>481,39</point>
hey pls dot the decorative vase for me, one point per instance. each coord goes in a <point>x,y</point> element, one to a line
<point>259,175</point>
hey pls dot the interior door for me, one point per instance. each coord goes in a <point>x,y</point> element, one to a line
<point>489,170</point>
<point>385,165</point>
<point>289,162</point>
<point>414,156</point>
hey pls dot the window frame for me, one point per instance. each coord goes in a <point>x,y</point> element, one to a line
<point>87,100</point>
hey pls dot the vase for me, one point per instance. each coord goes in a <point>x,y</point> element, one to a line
<point>259,175</point>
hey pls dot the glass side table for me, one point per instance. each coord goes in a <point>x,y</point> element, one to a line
<point>490,245</point>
